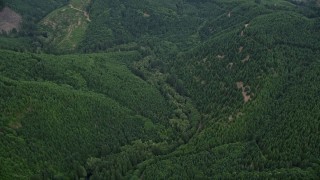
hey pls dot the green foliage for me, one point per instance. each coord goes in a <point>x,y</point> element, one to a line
<point>92,72</point>
<point>20,44</point>
<point>2,4</point>
<point>275,56</point>
<point>58,108</point>
<point>141,21</point>
<point>36,9</point>
<point>184,89</point>
<point>32,12</point>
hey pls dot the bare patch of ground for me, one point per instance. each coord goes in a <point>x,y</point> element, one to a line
<point>145,14</point>
<point>204,59</point>
<point>240,49</point>
<point>239,114</point>
<point>9,20</point>
<point>242,33</point>
<point>246,97</point>
<point>220,56</point>
<point>66,25</point>
<point>239,84</point>
<point>244,92</point>
<point>230,65</point>
<point>15,125</point>
<point>197,78</point>
<point>247,58</point>
<point>85,13</point>
<point>51,24</point>
<point>235,116</point>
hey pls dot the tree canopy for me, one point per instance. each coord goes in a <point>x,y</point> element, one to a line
<point>171,89</point>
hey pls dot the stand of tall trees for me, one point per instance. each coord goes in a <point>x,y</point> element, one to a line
<point>2,4</point>
<point>188,90</point>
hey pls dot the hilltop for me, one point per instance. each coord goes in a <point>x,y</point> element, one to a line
<point>66,26</point>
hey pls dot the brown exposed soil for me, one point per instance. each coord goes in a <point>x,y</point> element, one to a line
<point>9,20</point>
<point>242,33</point>
<point>196,78</point>
<point>205,59</point>
<point>86,14</point>
<point>145,14</point>
<point>247,58</point>
<point>246,97</point>
<point>220,56</point>
<point>230,65</point>
<point>239,114</point>
<point>200,127</point>
<point>15,125</point>
<point>239,84</point>
<point>240,49</point>
<point>50,24</point>
<point>244,92</point>
<point>235,116</point>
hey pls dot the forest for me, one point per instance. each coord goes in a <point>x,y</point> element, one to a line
<point>1,4</point>
<point>171,89</point>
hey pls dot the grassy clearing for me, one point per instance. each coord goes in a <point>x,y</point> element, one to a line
<point>66,26</point>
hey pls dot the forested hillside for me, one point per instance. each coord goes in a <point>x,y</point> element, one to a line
<point>1,4</point>
<point>171,89</point>
<point>70,104</point>
<point>35,9</point>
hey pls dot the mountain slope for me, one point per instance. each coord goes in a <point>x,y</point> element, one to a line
<point>223,89</point>
<point>66,26</point>
<point>256,84</point>
<point>63,109</point>
<point>249,79</point>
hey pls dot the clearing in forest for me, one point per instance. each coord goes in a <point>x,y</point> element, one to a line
<point>66,26</point>
<point>9,20</point>
<point>240,49</point>
<point>244,92</point>
<point>247,58</point>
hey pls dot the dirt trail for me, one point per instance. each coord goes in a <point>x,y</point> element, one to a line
<point>84,12</point>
